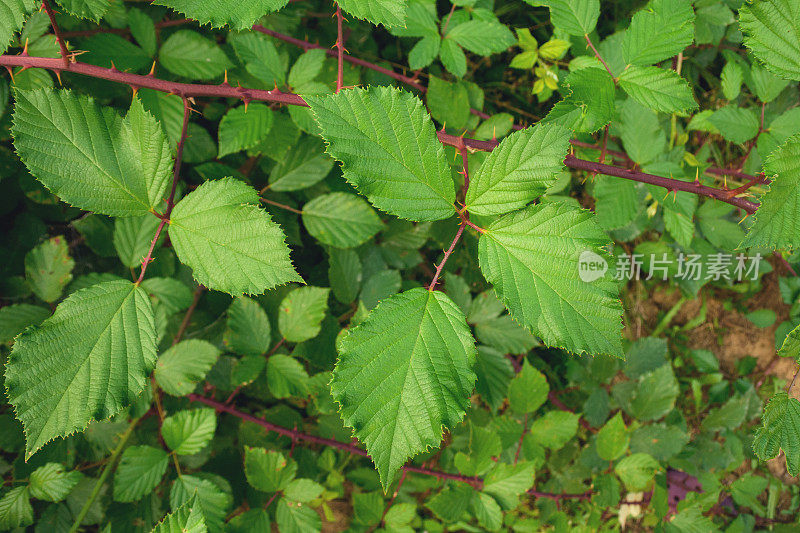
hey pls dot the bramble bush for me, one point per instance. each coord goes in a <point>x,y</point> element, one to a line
<point>381,265</point>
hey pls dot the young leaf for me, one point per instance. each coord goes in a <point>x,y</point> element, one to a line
<point>387,12</point>
<point>188,518</point>
<point>51,483</point>
<point>188,432</point>
<point>519,170</point>
<point>48,268</point>
<point>239,15</point>
<point>268,470</point>
<point>533,256</point>
<point>341,220</point>
<point>248,329</point>
<point>303,490</point>
<point>413,383</point>
<point>86,362</point>
<point>771,33</point>
<point>775,224</point>
<point>88,155</point>
<point>139,472</point>
<point>15,508</point>
<point>637,471</point>
<point>659,31</point>
<point>507,482</point>
<point>482,37</point>
<point>229,242</point>
<point>576,17</point>
<point>780,430</point>
<point>590,103</point>
<point>212,501</point>
<point>659,89</point>
<point>388,149</point>
<point>294,518</point>
<point>612,439</point>
<point>453,58</point>
<point>188,54</point>
<point>528,390</point>
<point>738,125</point>
<point>301,313</point>
<point>286,377</point>
<point>243,127</point>
<point>183,365</point>
<point>554,429</point>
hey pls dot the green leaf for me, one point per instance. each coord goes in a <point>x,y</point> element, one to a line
<point>108,50</point>
<point>484,447</point>
<point>248,329</point>
<point>86,9</point>
<point>791,345</point>
<point>88,155</point>
<point>286,377</point>
<point>417,381</point>
<point>268,470</point>
<point>173,295</point>
<point>507,482</point>
<point>657,88</point>
<point>637,471</point>
<point>576,17</point>
<point>15,508</point>
<point>212,501</point>
<point>482,37</point>
<point>239,15</point>
<point>341,220</point>
<point>555,428</point>
<point>260,57</point>
<point>140,471</point>
<point>731,80</point>
<point>188,54</point>
<point>188,432</point>
<point>301,313</point>
<point>304,165</point>
<point>183,365</point>
<point>662,29</point>
<point>528,390</point>
<point>652,397</point>
<point>451,503</point>
<point>525,164</point>
<point>294,518</point>
<point>453,58</point>
<point>736,124</point>
<point>424,52</point>
<point>15,318</point>
<point>307,67</point>
<point>589,104</point>
<point>388,149</point>
<point>229,242</point>
<point>775,223</point>
<point>387,12</point>
<point>244,127</point>
<point>780,430</point>
<point>766,85</point>
<point>12,15</point>
<point>51,483</point>
<point>532,257</point>
<point>188,518</point>
<point>133,236</point>
<point>448,102</point>
<point>303,490</point>
<point>344,274</point>
<point>48,268</point>
<point>486,511</point>
<point>771,33</point>
<point>494,373</point>
<point>86,362</point>
<point>612,439</point>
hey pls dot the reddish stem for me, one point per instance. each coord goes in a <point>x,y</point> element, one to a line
<point>599,57</point>
<point>282,206</point>
<point>59,38</point>
<point>339,50</point>
<point>198,292</point>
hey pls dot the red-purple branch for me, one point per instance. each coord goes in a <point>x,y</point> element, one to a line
<point>59,38</point>
<point>187,90</point>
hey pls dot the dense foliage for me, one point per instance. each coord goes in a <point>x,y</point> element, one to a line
<point>477,272</point>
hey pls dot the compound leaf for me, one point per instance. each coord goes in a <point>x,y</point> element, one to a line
<point>772,34</point>
<point>398,392</point>
<point>86,362</point>
<point>239,15</point>
<point>776,223</point>
<point>229,242</point>
<point>533,258</point>
<point>139,472</point>
<point>88,155</point>
<point>662,29</point>
<point>388,149</point>
<point>524,165</point>
<point>657,88</point>
<point>341,220</point>
<point>387,12</point>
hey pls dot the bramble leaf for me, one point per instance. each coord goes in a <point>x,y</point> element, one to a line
<point>660,30</point>
<point>243,127</point>
<point>301,313</point>
<point>188,432</point>
<point>86,362</point>
<point>533,258</point>
<point>16,509</point>
<point>482,37</point>
<point>388,149</point>
<point>188,518</point>
<point>772,34</point>
<point>140,471</point>
<point>780,430</point>
<point>88,155</point>
<point>387,12</point>
<point>659,89</point>
<point>776,222</point>
<point>51,483</point>
<point>183,365</point>
<point>189,54</point>
<point>87,9</point>
<point>519,170</point>
<point>341,220</point>
<point>239,15</point>
<point>576,17</point>
<point>12,15</point>
<point>48,268</point>
<point>248,329</point>
<point>229,242</point>
<point>399,392</point>
<point>268,470</point>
